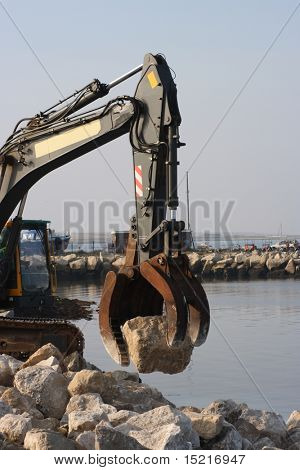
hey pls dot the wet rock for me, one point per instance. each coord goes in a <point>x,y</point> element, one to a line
<point>47,387</point>
<point>80,421</point>
<point>240,258</point>
<point>86,402</point>
<point>118,262</point>
<point>148,348</point>
<point>263,442</point>
<point>255,424</point>
<point>196,262</point>
<point>43,353</point>
<point>290,267</point>
<point>74,362</point>
<point>37,439</point>
<point>15,427</point>
<point>5,408</point>
<point>228,439</point>
<point>20,402</point>
<point>138,397</point>
<point>78,265</point>
<point>93,263</point>
<point>86,440</point>
<point>229,409</point>
<point>293,420</point>
<point>206,425</point>
<point>69,258</point>
<point>111,439</point>
<point>177,429</point>
<point>120,417</point>
<point>91,381</point>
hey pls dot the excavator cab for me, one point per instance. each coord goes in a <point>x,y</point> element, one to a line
<point>32,281</point>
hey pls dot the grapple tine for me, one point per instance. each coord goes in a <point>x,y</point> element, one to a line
<point>109,317</point>
<point>199,314</point>
<point>156,272</point>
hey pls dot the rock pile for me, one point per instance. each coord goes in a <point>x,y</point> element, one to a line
<point>245,265</point>
<point>227,264</point>
<point>52,402</point>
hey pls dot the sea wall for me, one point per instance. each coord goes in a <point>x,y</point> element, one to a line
<point>217,265</point>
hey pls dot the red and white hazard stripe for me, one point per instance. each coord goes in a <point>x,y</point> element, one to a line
<point>138,180</point>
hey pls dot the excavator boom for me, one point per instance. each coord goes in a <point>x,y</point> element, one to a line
<point>156,279</point>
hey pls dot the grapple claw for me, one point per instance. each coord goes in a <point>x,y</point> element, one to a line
<point>160,285</point>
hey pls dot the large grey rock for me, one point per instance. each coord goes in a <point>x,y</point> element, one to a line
<point>37,439</point>
<point>120,417</point>
<point>15,427</point>
<point>44,352</point>
<point>255,424</point>
<point>168,437</point>
<point>263,442</point>
<point>293,420</point>
<point>85,402</point>
<point>74,362</point>
<point>91,381</point>
<point>148,348</point>
<point>206,425</point>
<point>5,408</point>
<point>20,402</point>
<point>80,421</point>
<point>177,429</point>
<point>8,368</point>
<point>229,409</point>
<point>111,439</point>
<point>228,439</point>
<point>47,387</point>
<point>132,396</point>
<point>86,440</point>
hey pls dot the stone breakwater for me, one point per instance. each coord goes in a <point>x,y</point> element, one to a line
<point>223,265</point>
<point>52,402</point>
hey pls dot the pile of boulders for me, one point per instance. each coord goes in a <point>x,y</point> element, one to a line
<point>223,264</point>
<point>256,264</point>
<point>52,402</point>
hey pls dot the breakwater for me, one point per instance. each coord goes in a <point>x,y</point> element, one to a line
<point>216,265</point>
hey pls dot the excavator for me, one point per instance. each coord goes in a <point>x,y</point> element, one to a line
<point>156,278</point>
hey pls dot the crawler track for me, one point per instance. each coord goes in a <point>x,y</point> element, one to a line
<point>21,337</point>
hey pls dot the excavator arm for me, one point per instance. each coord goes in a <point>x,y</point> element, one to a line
<point>156,278</point>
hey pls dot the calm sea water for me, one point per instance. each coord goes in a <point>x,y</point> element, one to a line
<point>251,354</point>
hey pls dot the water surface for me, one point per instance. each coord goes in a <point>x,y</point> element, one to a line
<point>251,354</point>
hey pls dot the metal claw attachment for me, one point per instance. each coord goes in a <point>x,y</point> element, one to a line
<point>162,285</point>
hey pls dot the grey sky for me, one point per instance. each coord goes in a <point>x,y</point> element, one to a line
<point>213,46</point>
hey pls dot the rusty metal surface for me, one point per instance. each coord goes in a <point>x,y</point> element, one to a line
<point>24,337</point>
<point>144,291</point>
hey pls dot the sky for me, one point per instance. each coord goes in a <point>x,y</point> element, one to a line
<point>240,122</point>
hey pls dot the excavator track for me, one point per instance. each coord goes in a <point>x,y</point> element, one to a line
<point>21,337</point>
